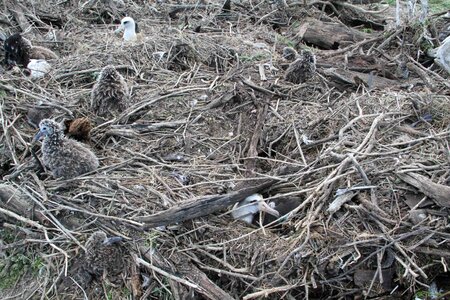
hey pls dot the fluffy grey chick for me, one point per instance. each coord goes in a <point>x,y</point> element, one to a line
<point>289,53</point>
<point>109,95</point>
<point>302,68</point>
<point>64,157</point>
<point>104,255</point>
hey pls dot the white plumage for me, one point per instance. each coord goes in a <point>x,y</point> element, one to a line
<point>250,206</point>
<point>38,68</point>
<point>128,26</point>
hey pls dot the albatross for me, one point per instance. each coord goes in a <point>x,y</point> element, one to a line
<point>129,28</point>
<point>65,158</point>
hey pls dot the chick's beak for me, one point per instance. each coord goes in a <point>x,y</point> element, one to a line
<point>263,206</point>
<point>37,137</point>
<point>119,30</point>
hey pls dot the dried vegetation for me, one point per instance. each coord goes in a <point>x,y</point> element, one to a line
<point>361,148</point>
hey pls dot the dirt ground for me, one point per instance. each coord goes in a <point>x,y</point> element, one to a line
<point>358,150</point>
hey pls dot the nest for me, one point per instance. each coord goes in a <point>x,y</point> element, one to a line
<point>210,121</point>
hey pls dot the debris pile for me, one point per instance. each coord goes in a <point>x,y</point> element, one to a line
<point>351,158</point>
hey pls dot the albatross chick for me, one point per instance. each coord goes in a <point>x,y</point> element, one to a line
<point>19,50</point>
<point>64,157</point>
<point>302,68</point>
<point>104,255</point>
<point>109,95</point>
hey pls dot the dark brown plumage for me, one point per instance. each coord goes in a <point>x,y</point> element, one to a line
<point>289,53</point>
<point>302,68</point>
<point>105,258</point>
<point>79,129</point>
<point>64,157</point>
<point>19,50</point>
<point>109,95</point>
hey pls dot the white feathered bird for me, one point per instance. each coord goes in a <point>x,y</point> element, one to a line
<point>250,206</point>
<point>129,28</point>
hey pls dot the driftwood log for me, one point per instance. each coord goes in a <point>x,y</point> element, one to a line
<point>186,273</point>
<point>344,78</point>
<point>200,208</point>
<point>137,129</point>
<point>16,201</point>
<point>438,192</point>
<point>330,35</point>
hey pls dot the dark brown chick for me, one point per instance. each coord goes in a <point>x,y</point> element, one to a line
<point>19,50</point>
<point>302,68</point>
<point>105,256</point>
<point>78,129</point>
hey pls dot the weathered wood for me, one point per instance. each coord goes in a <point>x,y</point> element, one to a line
<point>330,35</point>
<point>355,15</point>
<point>346,77</point>
<point>224,98</point>
<point>188,272</point>
<point>201,207</point>
<point>184,8</point>
<point>209,288</point>
<point>136,129</point>
<point>14,200</point>
<point>365,278</point>
<point>438,192</point>
<point>433,251</point>
<point>256,136</point>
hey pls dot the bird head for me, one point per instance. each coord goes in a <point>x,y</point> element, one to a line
<point>289,53</point>
<point>247,208</point>
<point>308,56</point>
<point>47,127</point>
<point>108,72</point>
<point>100,239</point>
<point>128,26</point>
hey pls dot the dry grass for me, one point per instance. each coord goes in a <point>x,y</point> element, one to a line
<point>199,118</point>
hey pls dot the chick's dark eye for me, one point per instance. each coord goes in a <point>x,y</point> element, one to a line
<point>125,22</point>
